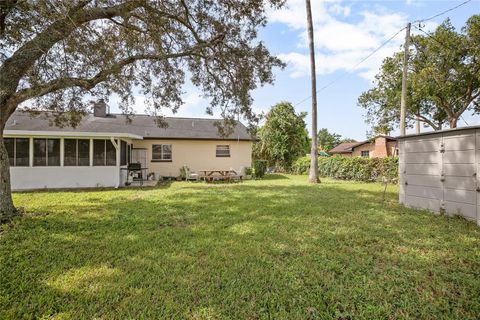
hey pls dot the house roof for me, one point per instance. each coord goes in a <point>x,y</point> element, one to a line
<point>141,126</point>
<point>373,139</point>
<point>349,146</point>
<point>343,147</point>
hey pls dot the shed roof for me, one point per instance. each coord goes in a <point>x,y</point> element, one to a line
<point>140,125</point>
<point>439,131</point>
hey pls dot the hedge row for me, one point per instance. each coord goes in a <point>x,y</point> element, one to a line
<point>351,168</point>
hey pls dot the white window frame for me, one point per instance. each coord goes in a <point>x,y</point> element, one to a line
<point>163,153</point>
<point>222,148</point>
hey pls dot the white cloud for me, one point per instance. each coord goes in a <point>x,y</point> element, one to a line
<point>342,39</point>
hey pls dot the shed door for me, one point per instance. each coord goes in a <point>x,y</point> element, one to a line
<point>421,172</point>
<point>460,178</point>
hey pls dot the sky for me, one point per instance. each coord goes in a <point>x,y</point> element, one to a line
<point>345,33</point>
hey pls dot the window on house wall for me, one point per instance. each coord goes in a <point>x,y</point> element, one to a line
<point>46,152</point>
<point>76,152</point>
<point>18,150</point>
<point>366,153</point>
<point>162,152</point>
<point>104,153</point>
<point>223,150</point>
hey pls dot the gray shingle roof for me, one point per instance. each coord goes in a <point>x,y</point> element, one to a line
<point>141,125</point>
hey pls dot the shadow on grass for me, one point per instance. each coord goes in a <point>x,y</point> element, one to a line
<point>244,251</point>
<point>160,185</point>
<point>275,176</point>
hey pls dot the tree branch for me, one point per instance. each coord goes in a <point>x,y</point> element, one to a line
<point>88,83</point>
<point>429,122</point>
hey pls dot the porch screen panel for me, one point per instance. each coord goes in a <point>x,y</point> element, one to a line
<point>123,153</point>
<point>83,146</point>
<point>53,152</point>
<point>39,152</point>
<point>22,152</point>
<point>70,151</point>
<point>77,152</point>
<point>98,152</point>
<point>110,153</point>
<point>10,145</point>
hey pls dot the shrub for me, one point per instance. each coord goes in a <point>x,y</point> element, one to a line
<point>259,168</point>
<point>301,165</point>
<point>351,168</point>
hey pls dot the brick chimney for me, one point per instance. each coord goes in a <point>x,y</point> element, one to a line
<point>380,147</point>
<point>100,109</point>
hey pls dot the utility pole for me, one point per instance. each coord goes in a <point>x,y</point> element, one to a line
<point>313,175</point>
<point>403,102</point>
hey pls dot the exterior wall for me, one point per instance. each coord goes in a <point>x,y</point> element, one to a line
<point>27,178</point>
<point>197,155</point>
<point>357,151</point>
<point>391,147</point>
<point>39,177</point>
<point>438,172</point>
<point>380,148</point>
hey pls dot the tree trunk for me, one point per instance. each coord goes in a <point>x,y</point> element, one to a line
<point>7,209</point>
<point>453,122</point>
<point>313,176</point>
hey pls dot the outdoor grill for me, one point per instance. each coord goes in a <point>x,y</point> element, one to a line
<point>135,172</point>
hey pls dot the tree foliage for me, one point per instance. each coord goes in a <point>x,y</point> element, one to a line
<point>283,138</point>
<point>443,79</point>
<point>327,140</point>
<point>58,54</point>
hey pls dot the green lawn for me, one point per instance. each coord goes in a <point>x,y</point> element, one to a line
<point>271,249</point>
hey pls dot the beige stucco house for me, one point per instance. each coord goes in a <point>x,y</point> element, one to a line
<point>97,152</point>
<point>379,147</point>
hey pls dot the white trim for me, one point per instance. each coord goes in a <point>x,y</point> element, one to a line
<point>116,145</point>
<point>91,152</point>
<point>40,134</point>
<point>62,151</point>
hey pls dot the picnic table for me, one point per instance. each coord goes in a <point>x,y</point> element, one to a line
<point>209,175</point>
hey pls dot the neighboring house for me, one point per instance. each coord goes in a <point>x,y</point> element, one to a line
<point>379,147</point>
<point>344,149</point>
<point>97,151</point>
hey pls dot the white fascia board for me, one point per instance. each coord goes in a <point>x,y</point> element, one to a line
<point>30,133</point>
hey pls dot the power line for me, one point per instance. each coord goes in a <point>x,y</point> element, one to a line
<point>354,66</point>
<point>382,45</point>
<point>442,13</point>
<point>431,36</point>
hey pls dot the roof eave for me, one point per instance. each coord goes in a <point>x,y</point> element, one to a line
<point>70,134</point>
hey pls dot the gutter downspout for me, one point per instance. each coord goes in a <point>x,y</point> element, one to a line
<point>117,166</point>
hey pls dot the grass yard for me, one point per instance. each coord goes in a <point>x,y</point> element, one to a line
<point>271,249</point>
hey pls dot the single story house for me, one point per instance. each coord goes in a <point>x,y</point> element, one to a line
<point>379,147</point>
<point>97,152</point>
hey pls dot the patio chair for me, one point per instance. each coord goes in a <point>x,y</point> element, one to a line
<point>191,175</point>
<point>235,175</point>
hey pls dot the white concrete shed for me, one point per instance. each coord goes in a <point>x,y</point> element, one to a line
<point>438,171</point>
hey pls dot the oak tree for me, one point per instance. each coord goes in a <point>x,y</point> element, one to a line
<point>444,79</point>
<point>57,54</point>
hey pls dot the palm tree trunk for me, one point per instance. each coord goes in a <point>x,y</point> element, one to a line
<point>313,176</point>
